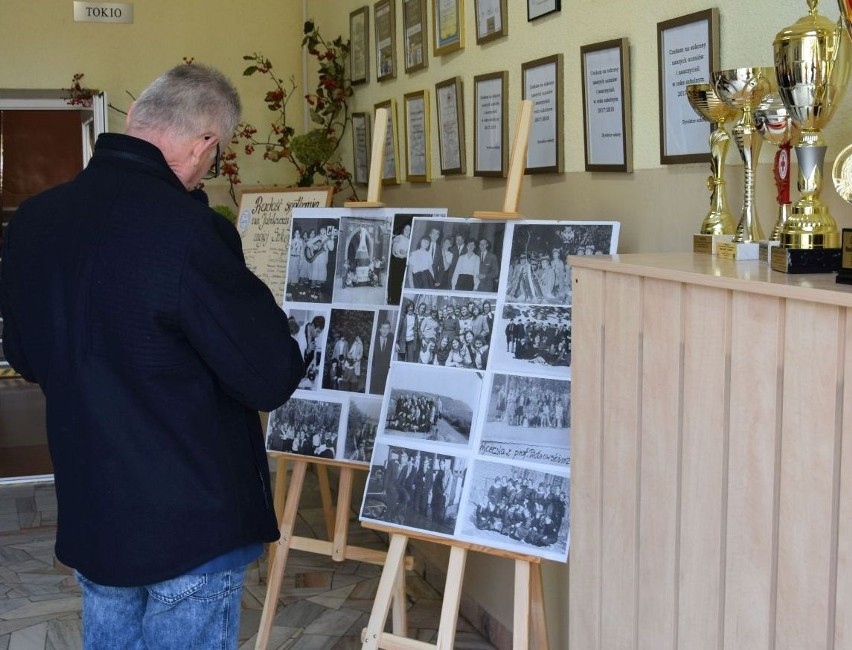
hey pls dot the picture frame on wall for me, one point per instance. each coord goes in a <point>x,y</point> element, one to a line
<point>390,164</point>
<point>606,106</point>
<point>415,42</point>
<point>448,25</point>
<point>359,45</point>
<point>491,124</point>
<point>361,145</point>
<point>542,84</point>
<point>418,158</point>
<point>687,53</point>
<point>449,105</point>
<point>491,16</point>
<point>540,8</point>
<point>384,19</point>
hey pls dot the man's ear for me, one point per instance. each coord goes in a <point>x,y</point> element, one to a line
<point>202,144</point>
<point>129,115</point>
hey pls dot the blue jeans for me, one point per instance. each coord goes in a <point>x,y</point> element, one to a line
<point>199,612</point>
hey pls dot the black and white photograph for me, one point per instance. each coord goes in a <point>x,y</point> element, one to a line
<point>527,419</point>
<point>362,422</point>
<point>383,347</point>
<point>437,404</point>
<point>310,266</point>
<point>455,255</point>
<point>400,243</point>
<point>414,488</point>
<point>363,251</point>
<point>442,330</point>
<point>308,327</point>
<point>533,338</point>
<point>538,267</point>
<point>518,508</point>
<point>350,335</point>
<point>305,426</point>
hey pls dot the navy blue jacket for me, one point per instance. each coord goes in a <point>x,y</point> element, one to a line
<point>129,302</point>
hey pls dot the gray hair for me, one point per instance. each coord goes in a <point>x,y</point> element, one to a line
<point>188,100</point>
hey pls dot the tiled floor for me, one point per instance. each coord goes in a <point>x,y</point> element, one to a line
<point>323,605</point>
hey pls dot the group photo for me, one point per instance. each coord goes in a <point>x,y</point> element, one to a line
<point>306,427</point>
<point>363,249</point>
<point>533,337</point>
<point>443,330</point>
<point>308,327</point>
<point>349,339</point>
<point>455,255</point>
<point>414,488</point>
<point>311,261</point>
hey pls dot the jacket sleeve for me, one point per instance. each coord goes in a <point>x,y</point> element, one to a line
<point>13,349</point>
<point>234,323</point>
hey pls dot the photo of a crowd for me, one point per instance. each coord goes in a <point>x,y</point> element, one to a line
<point>362,423</point>
<point>455,255</point>
<point>414,488</point>
<point>308,327</point>
<point>312,260</point>
<point>533,336</point>
<point>363,253</point>
<point>306,427</point>
<point>349,340</point>
<point>441,330</point>
<point>527,419</point>
<point>517,507</point>
<point>539,272</point>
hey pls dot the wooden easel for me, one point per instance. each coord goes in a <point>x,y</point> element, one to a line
<point>377,158</point>
<point>530,629</point>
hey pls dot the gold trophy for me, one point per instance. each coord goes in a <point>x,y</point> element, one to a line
<point>812,69</point>
<point>718,225</point>
<point>772,120</point>
<point>743,89</point>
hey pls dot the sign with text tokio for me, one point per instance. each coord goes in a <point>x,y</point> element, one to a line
<point>103,12</point>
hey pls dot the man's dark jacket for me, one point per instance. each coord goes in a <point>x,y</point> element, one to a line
<point>129,302</point>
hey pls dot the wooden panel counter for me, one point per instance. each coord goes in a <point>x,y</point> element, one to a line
<point>711,487</point>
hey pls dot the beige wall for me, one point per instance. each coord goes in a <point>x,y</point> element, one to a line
<point>42,47</point>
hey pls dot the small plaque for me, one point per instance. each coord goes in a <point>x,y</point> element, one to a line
<point>805,260</point>
<point>738,251</point>
<point>708,244</point>
<point>766,250</point>
<point>103,12</point>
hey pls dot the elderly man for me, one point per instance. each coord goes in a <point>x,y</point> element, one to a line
<point>127,299</point>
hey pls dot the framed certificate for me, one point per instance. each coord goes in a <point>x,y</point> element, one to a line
<point>384,16</point>
<point>418,159</point>
<point>687,53</point>
<point>539,8</point>
<point>542,84</point>
<point>359,45</point>
<point>450,108</point>
<point>448,20</point>
<point>490,20</point>
<point>414,37</point>
<point>491,124</point>
<point>361,144</point>
<point>606,106</point>
<point>390,165</point>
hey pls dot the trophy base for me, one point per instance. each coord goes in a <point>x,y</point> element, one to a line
<point>805,260</point>
<point>708,244</point>
<point>844,275</point>
<point>738,251</point>
<point>766,247</point>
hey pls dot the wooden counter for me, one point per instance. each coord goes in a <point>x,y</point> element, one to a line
<point>711,493</point>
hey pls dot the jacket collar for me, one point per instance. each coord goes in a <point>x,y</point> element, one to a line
<point>117,148</point>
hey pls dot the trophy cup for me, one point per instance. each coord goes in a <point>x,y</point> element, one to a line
<point>772,120</point>
<point>841,173</point>
<point>812,68</point>
<point>718,224</point>
<point>743,89</point>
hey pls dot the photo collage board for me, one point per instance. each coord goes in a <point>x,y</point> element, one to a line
<point>473,440</point>
<point>344,275</point>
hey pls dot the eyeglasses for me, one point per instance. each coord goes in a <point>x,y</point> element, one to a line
<point>213,172</point>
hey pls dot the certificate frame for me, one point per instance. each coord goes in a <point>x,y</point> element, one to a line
<point>684,137</point>
<point>415,35</point>
<point>450,12</point>
<point>359,46</point>
<point>491,17</point>
<point>361,146</point>
<point>607,133</point>
<point>545,156</point>
<point>384,21</point>
<point>390,164</point>
<point>449,107</point>
<point>418,141</point>
<point>540,8</point>
<point>491,155</point>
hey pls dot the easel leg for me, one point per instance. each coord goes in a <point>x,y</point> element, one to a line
<point>341,523</point>
<point>537,613</point>
<point>387,587</point>
<point>325,494</point>
<point>276,574</point>
<point>279,494</point>
<point>399,618</point>
<point>521,635</point>
<point>452,598</point>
